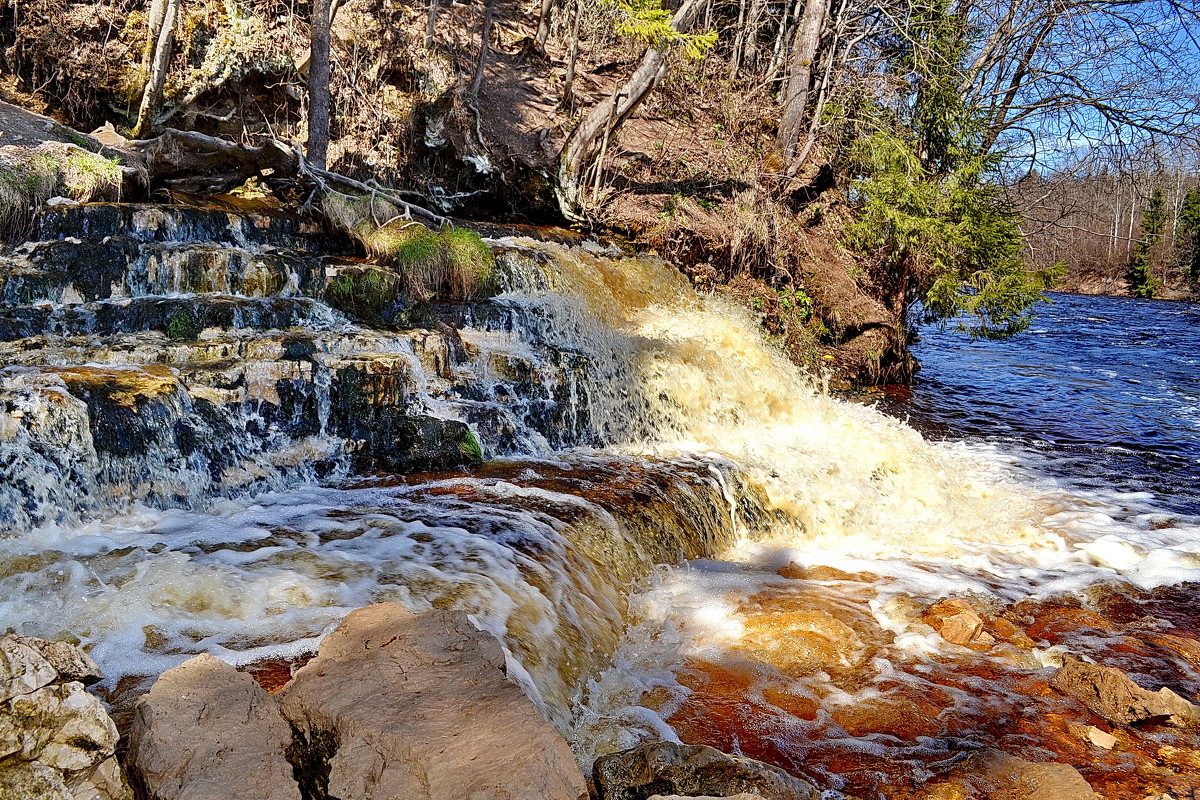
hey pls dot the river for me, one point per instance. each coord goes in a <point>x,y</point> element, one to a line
<point>678,533</point>
<point>1101,392</point>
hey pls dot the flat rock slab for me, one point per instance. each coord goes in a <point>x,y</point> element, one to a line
<point>1110,693</point>
<point>659,768</point>
<point>207,731</point>
<point>407,707</point>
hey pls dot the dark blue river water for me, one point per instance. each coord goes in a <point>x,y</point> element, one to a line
<point>1100,392</point>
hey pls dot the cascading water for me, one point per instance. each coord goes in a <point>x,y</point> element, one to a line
<point>633,423</point>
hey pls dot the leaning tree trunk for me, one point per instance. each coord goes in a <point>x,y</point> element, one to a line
<point>543,28</point>
<point>584,144</point>
<point>318,85</point>
<point>799,79</point>
<point>485,40</point>
<point>165,40</point>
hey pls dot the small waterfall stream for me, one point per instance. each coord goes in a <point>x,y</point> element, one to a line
<point>676,533</point>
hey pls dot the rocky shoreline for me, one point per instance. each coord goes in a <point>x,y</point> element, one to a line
<point>395,705</point>
<point>399,705</point>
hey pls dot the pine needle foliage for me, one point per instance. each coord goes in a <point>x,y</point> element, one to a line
<point>929,208</point>
<point>647,21</point>
<point>1141,280</point>
<point>1187,234</point>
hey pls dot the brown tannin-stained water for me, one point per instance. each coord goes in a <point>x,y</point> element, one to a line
<point>680,536</point>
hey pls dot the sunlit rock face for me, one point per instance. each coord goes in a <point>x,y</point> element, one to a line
<point>207,730</point>
<point>56,739</point>
<point>400,705</point>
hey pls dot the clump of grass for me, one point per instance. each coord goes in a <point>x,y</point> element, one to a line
<point>449,264</point>
<point>183,327</point>
<point>363,294</point>
<point>471,448</point>
<point>29,176</point>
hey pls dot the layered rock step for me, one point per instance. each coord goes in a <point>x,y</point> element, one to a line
<point>394,706</point>
<point>169,354</point>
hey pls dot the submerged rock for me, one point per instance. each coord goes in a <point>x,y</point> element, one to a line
<point>1110,693</point>
<point>56,740</point>
<point>206,730</point>
<point>996,775</point>
<point>691,770</point>
<point>419,707</point>
<point>957,622</point>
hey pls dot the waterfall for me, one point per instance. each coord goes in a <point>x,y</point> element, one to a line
<point>226,488</point>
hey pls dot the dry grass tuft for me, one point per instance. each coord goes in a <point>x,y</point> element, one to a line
<point>450,264</point>
<point>29,176</point>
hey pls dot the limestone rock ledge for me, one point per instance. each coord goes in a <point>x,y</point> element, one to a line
<point>56,740</point>
<point>395,706</point>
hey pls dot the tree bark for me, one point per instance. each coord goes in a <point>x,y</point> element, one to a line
<point>431,23</point>
<point>582,146</point>
<point>569,81</point>
<point>799,79</point>
<point>485,37</point>
<point>158,68</point>
<point>318,85</point>
<point>543,28</point>
<point>154,21</point>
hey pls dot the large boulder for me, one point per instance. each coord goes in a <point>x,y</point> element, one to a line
<point>404,707</point>
<point>658,768</point>
<point>56,740</point>
<point>205,730</point>
<point>996,775</point>
<point>1110,693</point>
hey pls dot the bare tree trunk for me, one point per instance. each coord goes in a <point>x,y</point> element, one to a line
<point>799,80</point>
<point>158,68</point>
<point>158,9</point>
<point>431,23</point>
<point>778,51</point>
<point>569,82</point>
<point>582,146</point>
<point>750,50</point>
<point>543,28</point>
<point>735,60</point>
<point>318,85</point>
<point>485,40</point>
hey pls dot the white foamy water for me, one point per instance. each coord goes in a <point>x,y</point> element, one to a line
<point>707,444</point>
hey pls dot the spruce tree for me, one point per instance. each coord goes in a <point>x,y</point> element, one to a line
<point>1141,280</point>
<point>1187,234</point>
<point>930,207</point>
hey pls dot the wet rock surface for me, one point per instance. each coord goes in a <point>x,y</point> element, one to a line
<point>999,776</point>
<point>206,730</point>
<point>398,705</point>
<point>667,768</point>
<point>1110,693</point>
<point>56,740</point>
<point>215,365</point>
<point>957,622</point>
